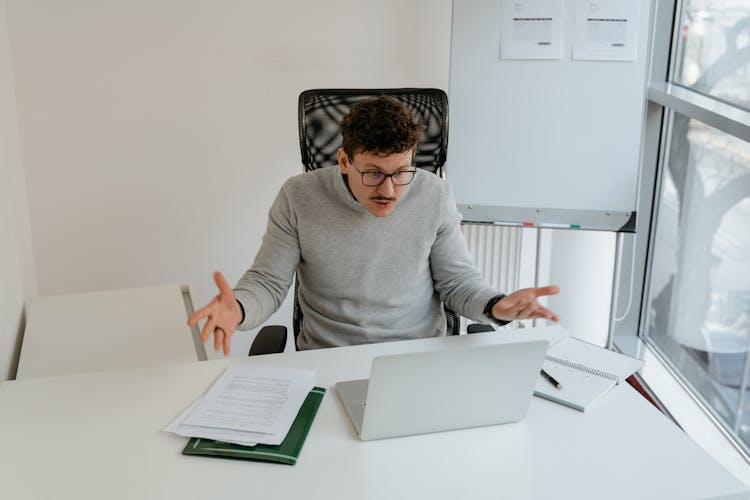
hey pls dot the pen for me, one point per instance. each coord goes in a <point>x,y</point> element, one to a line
<point>550,379</point>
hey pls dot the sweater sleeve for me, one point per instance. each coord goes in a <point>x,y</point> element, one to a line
<point>459,283</point>
<point>262,289</point>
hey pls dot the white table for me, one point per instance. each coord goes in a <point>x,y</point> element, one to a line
<point>97,435</point>
<point>105,330</point>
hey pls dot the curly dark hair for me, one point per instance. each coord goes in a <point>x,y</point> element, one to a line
<point>380,125</point>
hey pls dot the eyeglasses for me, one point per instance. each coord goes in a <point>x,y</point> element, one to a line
<point>376,178</point>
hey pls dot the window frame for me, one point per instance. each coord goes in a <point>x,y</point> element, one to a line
<point>663,97</point>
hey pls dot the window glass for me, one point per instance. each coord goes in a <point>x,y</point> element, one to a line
<point>699,289</point>
<point>713,49</point>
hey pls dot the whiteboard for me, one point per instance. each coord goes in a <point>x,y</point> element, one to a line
<point>553,142</point>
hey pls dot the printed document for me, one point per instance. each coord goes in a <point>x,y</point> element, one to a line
<point>531,29</point>
<point>247,405</point>
<point>606,30</point>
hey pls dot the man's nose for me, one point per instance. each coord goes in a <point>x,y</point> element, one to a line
<point>387,188</point>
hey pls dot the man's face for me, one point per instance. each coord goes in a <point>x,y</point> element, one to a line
<point>378,200</point>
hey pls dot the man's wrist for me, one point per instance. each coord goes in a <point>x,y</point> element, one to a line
<point>488,310</point>
<point>242,312</point>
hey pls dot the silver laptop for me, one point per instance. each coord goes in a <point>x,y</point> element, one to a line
<point>433,391</point>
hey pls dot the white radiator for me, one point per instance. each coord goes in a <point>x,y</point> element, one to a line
<point>497,252</point>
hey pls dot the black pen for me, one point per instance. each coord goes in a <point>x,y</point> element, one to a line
<point>550,379</point>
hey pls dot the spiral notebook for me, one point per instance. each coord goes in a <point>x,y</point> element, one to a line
<point>585,372</point>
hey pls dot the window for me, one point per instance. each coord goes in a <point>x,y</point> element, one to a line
<point>697,300</point>
<point>713,49</point>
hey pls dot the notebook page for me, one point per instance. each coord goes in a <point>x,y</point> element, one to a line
<point>598,358</point>
<point>579,389</point>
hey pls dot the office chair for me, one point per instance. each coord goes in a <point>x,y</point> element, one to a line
<point>320,112</point>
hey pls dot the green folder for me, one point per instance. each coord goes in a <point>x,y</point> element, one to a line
<point>285,453</point>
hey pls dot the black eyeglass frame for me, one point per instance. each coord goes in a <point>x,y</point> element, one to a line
<point>411,170</point>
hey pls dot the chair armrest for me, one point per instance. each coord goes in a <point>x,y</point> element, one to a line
<point>479,327</point>
<point>270,339</point>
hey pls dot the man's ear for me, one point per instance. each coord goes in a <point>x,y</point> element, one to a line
<point>343,163</point>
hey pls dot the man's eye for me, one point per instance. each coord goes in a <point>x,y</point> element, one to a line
<point>373,175</point>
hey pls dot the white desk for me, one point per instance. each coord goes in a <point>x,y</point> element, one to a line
<point>112,329</point>
<point>97,435</point>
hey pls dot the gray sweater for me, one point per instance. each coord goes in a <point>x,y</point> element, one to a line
<point>363,279</point>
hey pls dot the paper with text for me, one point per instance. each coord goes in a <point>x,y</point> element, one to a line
<point>253,399</point>
<point>606,30</point>
<point>531,29</point>
<point>228,436</point>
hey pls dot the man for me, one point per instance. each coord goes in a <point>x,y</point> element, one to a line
<point>376,246</point>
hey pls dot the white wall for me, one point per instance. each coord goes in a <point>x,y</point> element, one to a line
<point>17,283</point>
<point>581,263</point>
<point>156,133</point>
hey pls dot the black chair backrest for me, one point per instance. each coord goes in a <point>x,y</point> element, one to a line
<point>321,111</point>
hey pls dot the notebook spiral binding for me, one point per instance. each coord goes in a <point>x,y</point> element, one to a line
<point>583,368</point>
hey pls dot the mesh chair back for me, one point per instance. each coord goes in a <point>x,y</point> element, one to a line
<point>321,112</point>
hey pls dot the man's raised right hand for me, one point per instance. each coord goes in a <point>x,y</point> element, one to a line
<point>222,315</point>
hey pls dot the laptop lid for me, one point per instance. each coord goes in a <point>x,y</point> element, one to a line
<point>418,393</point>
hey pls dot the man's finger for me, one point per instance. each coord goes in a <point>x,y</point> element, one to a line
<point>546,290</point>
<point>204,312</point>
<point>198,315</point>
<point>529,310</point>
<point>545,313</point>
<point>207,329</point>
<point>227,344</point>
<point>222,284</point>
<point>218,338</point>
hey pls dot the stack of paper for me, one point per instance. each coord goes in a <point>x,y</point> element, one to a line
<point>247,405</point>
